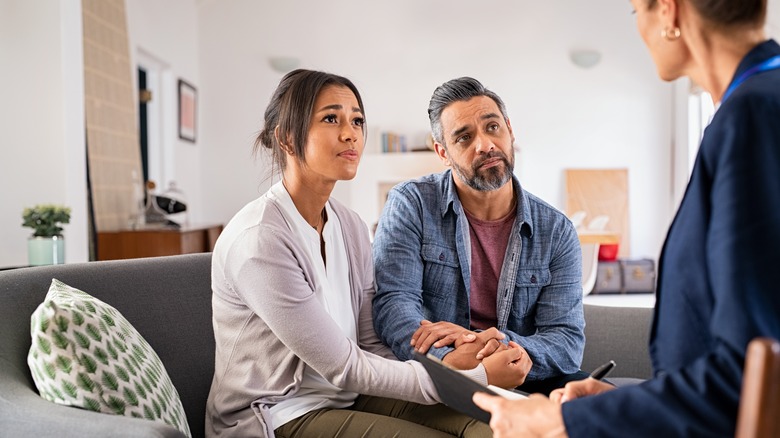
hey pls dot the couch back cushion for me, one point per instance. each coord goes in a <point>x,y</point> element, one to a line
<point>85,354</point>
<point>167,299</point>
<point>620,334</point>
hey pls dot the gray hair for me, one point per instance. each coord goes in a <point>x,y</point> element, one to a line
<point>460,89</point>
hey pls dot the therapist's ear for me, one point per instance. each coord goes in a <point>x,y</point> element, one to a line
<point>669,10</point>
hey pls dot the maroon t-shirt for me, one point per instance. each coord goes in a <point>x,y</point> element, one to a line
<point>488,246</point>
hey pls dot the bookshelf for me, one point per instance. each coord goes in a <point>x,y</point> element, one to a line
<point>378,173</point>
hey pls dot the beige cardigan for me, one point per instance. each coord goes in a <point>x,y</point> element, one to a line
<point>268,323</point>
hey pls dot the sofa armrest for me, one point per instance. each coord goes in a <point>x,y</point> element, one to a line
<point>24,413</point>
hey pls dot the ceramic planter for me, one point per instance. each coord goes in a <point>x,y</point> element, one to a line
<point>45,250</point>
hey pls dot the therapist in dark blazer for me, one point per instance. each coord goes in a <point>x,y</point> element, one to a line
<point>719,279</point>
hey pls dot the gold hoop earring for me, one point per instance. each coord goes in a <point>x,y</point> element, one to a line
<point>672,34</point>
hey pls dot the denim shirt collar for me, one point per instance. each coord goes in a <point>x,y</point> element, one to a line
<point>451,200</point>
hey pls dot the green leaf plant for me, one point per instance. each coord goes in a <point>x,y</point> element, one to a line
<point>46,219</point>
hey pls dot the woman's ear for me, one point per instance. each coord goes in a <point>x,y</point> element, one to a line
<point>285,145</point>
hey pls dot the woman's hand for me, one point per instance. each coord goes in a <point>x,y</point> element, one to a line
<point>508,368</point>
<point>579,388</point>
<point>535,417</point>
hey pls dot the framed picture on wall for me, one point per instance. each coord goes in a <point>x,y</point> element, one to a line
<point>188,102</point>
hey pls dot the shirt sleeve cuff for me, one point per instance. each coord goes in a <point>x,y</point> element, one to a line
<point>440,352</point>
<point>478,374</point>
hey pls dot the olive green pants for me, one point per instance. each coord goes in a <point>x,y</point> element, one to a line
<point>372,417</point>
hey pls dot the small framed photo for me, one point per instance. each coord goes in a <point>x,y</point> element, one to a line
<point>188,103</point>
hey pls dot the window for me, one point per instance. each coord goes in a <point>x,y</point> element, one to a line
<point>700,112</point>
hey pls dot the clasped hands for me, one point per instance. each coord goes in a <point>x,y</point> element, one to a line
<point>506,365</point>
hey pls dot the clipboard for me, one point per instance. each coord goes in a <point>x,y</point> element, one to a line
<point>456,389</point>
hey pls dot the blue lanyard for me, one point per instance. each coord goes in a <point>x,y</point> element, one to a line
<point>770,64</point>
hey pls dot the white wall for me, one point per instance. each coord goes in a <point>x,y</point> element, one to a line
<point>773,19</point>
<point>42,152</point>
<point>614,115</point>
<point>165,33</point>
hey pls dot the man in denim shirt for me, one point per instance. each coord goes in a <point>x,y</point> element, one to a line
<point>466,257</point>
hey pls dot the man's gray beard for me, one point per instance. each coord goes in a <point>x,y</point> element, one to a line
<point>492,179</point>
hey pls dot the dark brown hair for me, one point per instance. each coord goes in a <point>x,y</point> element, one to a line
<point>727,13</point>
<point>290,109</point>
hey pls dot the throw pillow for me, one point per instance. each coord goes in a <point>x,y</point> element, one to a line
<point>84,353</point>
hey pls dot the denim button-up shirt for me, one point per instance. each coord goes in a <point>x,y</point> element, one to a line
<point>422,257</point>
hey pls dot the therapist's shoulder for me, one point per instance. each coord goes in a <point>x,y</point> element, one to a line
<point>746,121</point>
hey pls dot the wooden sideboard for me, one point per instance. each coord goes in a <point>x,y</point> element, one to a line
<point>154,242</point>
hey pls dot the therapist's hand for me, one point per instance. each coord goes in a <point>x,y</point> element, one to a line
<point>579,388</point>
<point>535,417</point>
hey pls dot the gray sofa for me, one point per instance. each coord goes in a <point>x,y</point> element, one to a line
<point>168,300</point>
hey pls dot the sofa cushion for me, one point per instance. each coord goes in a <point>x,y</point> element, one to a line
<point>84,353</point>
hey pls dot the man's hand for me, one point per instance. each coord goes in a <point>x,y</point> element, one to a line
<point>439,334</point>
<point>579,388</point>
<point>490,339</point>
<point>507,368</point>
<point>464,357</point>
<point>443,333</point>
<point>535,417</point>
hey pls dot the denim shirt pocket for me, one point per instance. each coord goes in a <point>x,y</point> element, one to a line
<point>528,287</point>
<point>441,269</point>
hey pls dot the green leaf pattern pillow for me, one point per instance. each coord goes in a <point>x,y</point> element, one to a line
<point>84,353</point>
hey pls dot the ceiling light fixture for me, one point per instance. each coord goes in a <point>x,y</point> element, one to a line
<point>585,58</point>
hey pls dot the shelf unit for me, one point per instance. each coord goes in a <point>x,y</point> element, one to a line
<point>378,173</point>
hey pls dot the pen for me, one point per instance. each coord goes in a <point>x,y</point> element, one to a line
<point>602,371</point>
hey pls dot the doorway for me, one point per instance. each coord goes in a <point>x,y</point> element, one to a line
<point>154,89</point>
<point>144,97</point>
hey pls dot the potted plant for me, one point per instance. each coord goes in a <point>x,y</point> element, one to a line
<point>47,245</point>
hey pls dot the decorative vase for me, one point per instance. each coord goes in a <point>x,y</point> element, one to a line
<point>45,250</point>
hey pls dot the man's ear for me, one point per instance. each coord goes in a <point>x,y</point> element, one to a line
<point>442,153</point>
<point>511,133</point>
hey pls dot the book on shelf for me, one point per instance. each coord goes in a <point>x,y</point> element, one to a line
<point>392,142</point>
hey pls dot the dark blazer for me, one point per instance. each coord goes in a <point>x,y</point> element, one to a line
<point>719,279</point>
